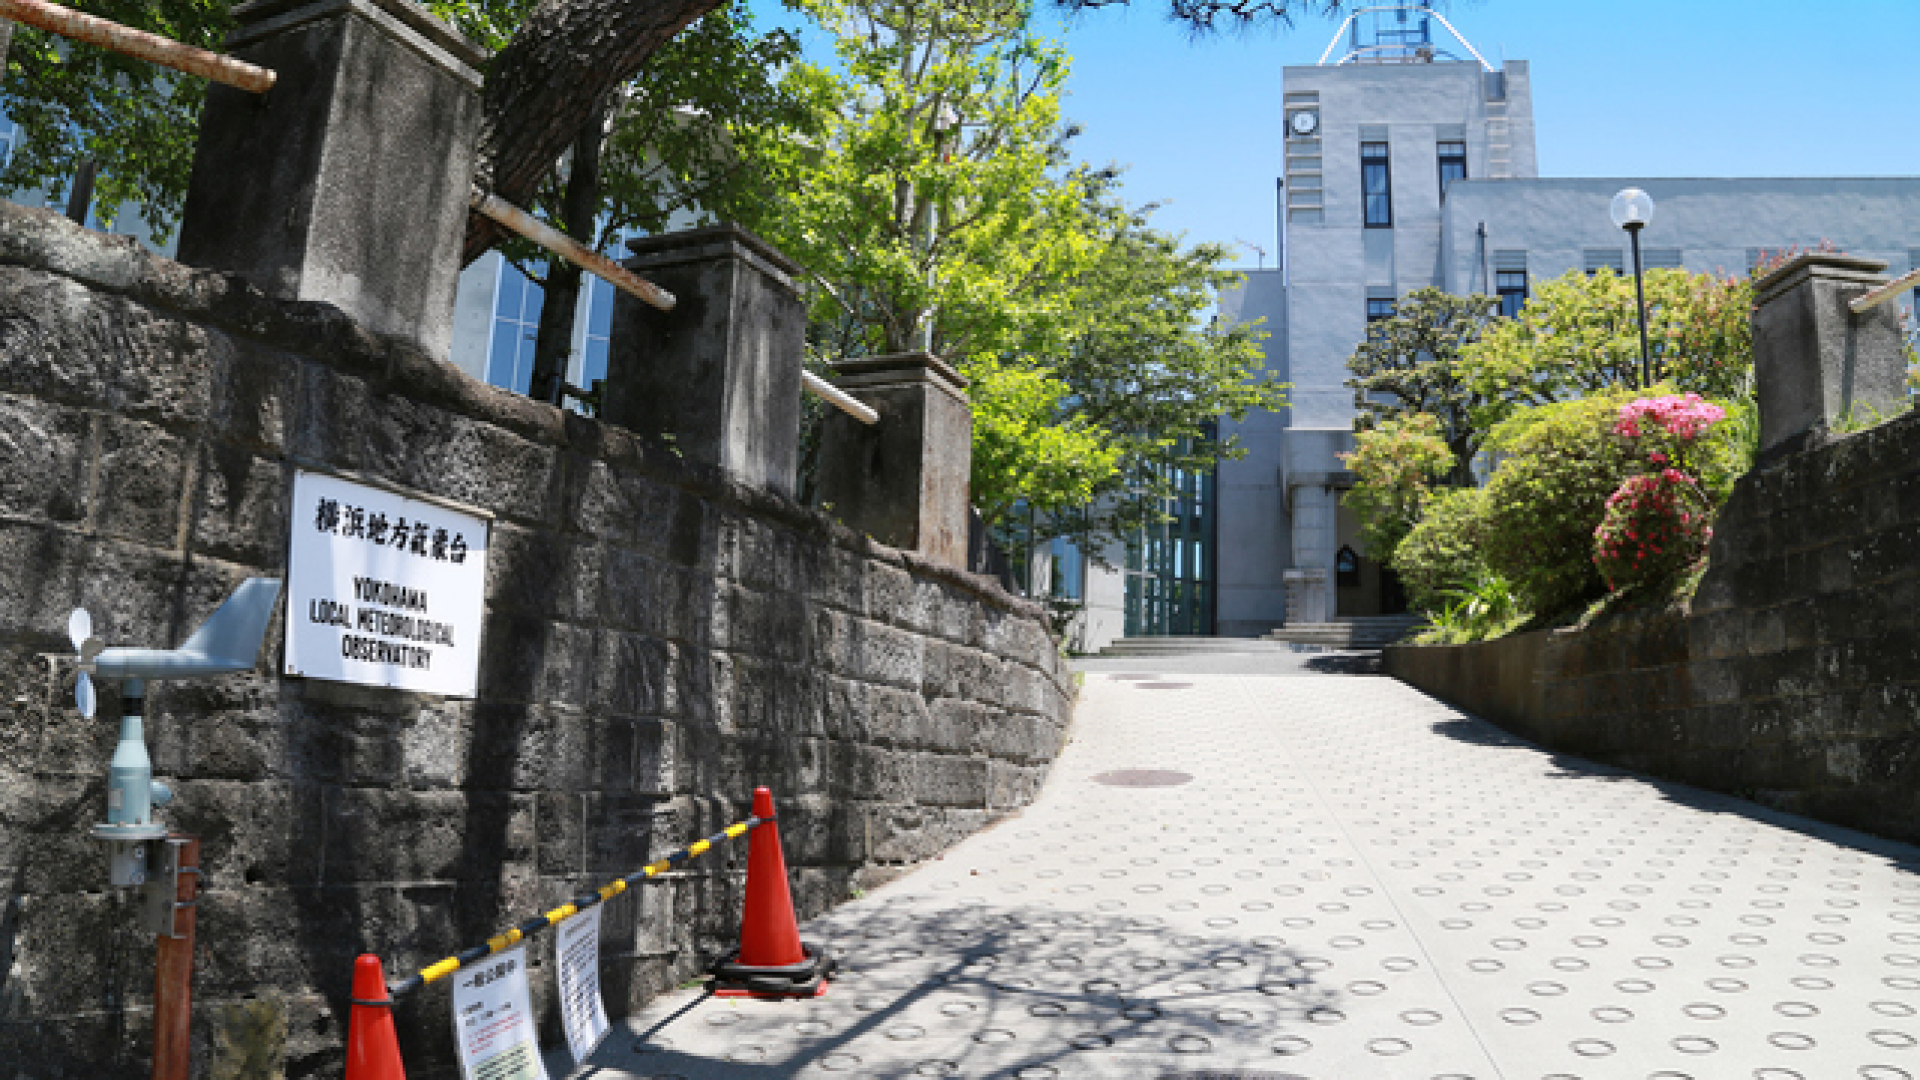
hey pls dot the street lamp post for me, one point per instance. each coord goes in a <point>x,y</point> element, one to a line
<point>1631,210</point>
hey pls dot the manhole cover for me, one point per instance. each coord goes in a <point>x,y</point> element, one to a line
<point>1142,778</point>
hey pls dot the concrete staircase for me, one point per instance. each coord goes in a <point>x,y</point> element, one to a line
<point>1360,632</point>
<point>1367,632</point>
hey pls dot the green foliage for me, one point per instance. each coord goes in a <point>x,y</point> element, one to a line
<point>1546,497</point>
<point>1580,335</point>
<point>937,209</point>
<point>135,120</point>
<point>1027,446</point>
<point>1482,607</point>
<point>1414,356</point>
<point>1395,466</point>
<point>688,143</point>
<point>1441,555</point>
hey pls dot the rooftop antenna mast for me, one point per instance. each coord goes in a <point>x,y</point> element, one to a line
<point>1258,251</point>
<point>1397,34</point>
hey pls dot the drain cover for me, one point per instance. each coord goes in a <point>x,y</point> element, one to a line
<point>1142,778</point>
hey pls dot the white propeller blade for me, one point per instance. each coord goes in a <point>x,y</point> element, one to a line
<point>79,628</point>
<point>83,695</point>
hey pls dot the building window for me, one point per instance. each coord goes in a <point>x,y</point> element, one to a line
<point>1376,185</point>
<point>599,330</point>
<point>1596,259</point>
<point>1453,164</point>
<point>1512,286</point>
<point>1379,309</point>
<point>516,322</point>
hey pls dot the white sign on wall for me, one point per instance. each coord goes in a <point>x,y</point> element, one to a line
<point>492,1021</point>
<point>576,951</point>
<point>384,590</point>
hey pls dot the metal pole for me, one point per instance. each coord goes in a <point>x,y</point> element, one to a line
<point>839,398</point>
<point>1880,294</point>
<point>525,224</point>
<point>1640,297</point>
<point>166,52</point>
<point>173,972</point>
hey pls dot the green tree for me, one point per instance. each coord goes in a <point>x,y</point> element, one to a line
<point>87,110</point>
<point>939,211</point>
<point>1147,366</point>
<point>1395,466</point>
<point>1580,334</point>
<point>682,146</point>
<point>1414,356</point>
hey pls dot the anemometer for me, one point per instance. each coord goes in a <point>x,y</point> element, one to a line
<point>227,642</point>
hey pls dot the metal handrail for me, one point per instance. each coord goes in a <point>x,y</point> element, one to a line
<point>839,398</point>
<point>139,44</point>
<point>524,224</point>
<point>1880,294</point>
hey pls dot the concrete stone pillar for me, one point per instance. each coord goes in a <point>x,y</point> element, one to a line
<point>1814,360</point>
<point>1309,584</point>
<point>903,481</point>
<point>720,373</point>
<point>348,181</point>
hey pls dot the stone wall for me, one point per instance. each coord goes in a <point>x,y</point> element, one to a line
<point>658,641</point>
<point>1794,679</point>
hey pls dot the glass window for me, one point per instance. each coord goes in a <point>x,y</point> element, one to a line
<point>516,322</point>
<point>1512,286</point>
<point>1453,164</point>
<point>1376,185</point>
<point>1379,309</point>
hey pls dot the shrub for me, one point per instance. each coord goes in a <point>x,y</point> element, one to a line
<point>1546,497</point>
<point>1394,467</point>
<point>1655,526</point>
<point>1440,558</point>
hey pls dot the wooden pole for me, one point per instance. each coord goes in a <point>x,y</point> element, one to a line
<point>173,973</point>
<point>78,25</point>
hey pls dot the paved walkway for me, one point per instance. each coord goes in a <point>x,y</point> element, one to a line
<point>1356,883</point>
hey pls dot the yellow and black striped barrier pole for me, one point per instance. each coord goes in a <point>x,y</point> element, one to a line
<point>517,934</point>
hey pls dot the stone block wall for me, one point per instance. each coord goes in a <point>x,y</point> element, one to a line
<point>657,641</point>
<point>1794,679</point>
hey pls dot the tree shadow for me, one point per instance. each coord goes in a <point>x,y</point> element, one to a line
<point>1002,991</point>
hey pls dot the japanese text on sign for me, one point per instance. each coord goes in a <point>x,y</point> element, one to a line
<point>383,589</point>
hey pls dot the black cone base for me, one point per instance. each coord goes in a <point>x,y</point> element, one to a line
<point>807,978</point>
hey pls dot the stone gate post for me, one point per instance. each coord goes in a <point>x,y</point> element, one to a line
<point>1814,360</point>
<point>905,480</point>
<point>347,182</point>
<point>720,373</point>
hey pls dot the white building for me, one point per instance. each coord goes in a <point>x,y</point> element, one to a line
<point>1410,162</point>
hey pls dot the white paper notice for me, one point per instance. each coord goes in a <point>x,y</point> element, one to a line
<point>576,950</point>
<point>384,590</point>
<point>492,1021</point>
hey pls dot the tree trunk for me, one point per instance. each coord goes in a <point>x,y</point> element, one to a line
<point>6,39</point>
<point>548,83</point>
<point>581,206</point>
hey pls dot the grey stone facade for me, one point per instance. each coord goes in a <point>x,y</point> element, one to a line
<point>658,640</point>
<point>1277,540</point>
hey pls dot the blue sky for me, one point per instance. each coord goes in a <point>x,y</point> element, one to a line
<point>1632,88</point>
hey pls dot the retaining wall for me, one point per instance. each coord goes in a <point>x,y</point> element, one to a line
<point>657,641</point>
<point>1794,678</point>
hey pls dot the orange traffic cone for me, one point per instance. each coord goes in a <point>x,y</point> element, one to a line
<point>373,1049</point>
<point>772,961</point>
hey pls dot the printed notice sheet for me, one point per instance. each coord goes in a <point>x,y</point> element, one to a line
<point>492,1021</point>
<point>576,950</point>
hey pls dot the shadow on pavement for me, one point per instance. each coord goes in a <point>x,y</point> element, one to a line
<point>993,991</point>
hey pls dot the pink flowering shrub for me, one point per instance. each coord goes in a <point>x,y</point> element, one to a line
<point>1657,523</point>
